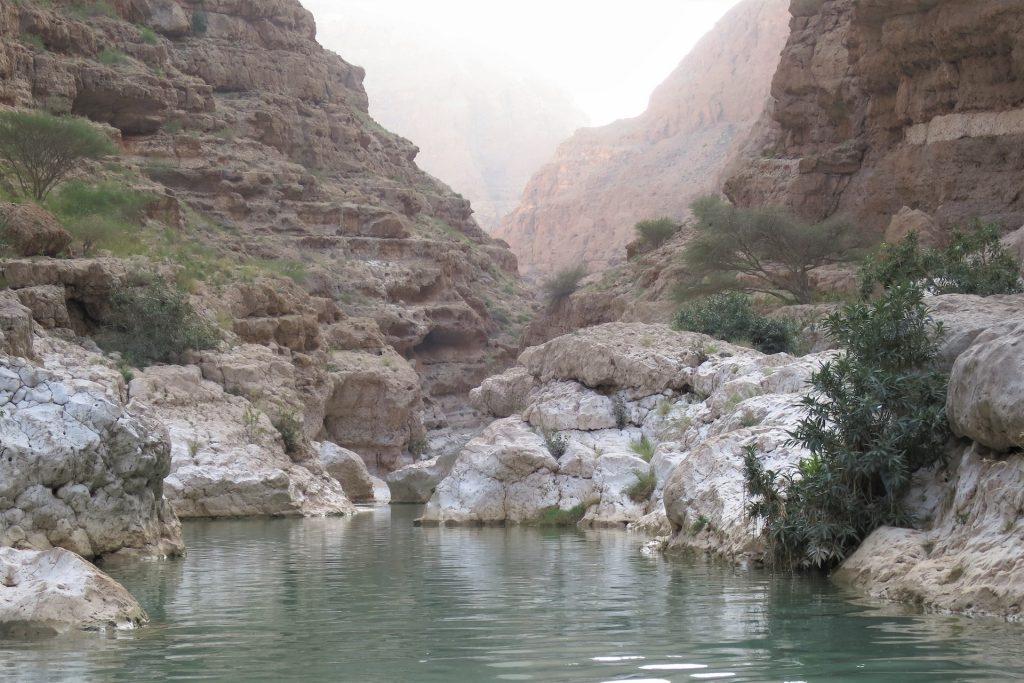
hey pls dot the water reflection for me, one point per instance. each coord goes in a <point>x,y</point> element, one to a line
<point>372,598</point>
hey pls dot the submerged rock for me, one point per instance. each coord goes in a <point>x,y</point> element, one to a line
<point>54,592</point>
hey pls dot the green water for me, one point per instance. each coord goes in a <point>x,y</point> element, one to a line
<point>372,598</point>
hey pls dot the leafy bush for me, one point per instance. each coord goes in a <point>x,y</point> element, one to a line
<point>290,429</point>
<point>760,250</point>
<point>730,316</point>
<point>109,55</point>
<point>643,488</point>
<point>200,23</point>
<point>562,284</point>
<point>101,215</point>
<point>656,232</point>
<point>643,447</point>
<point>153,323</point>
<point>555,516</point>
<point>148,35</point>
<point>974,262</point>
<point>39,150</point>
<point>876,414</point>
<point>556,444</point>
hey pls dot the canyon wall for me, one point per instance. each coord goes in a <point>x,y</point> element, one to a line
<point>267,167</point>
<point>582,206</point>
<point>880,105</point>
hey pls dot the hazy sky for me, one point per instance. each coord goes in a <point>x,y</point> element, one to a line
<point>608,55</point>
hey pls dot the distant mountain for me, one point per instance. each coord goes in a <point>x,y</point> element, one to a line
<point>582,206</point>
<point>483,125</point>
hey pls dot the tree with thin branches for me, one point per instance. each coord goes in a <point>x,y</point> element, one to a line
<point>40,150</point>
<point>764,250</point>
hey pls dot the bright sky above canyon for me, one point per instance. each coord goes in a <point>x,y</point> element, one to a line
<point>608,55</point>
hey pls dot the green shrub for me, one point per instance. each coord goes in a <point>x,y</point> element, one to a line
<point>761,250</point>
<point>657,231</point>
<point>643,488</point>
<point>563,284</point>
<point>875,415</point>
<point>974,262</point>
<point>730,316</point>
<point>110,56</point>
<point>200,23</point>
<point>148,35</point>
<point>290,429</point>
<point>85,9</point>
<point>555,516</point>
<point>101,216</point>
<point>643,447</point>
<point>39,150</point>
<point>153,323</point>
<point>556,444</point>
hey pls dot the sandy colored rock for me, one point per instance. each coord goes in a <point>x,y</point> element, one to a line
<point>15,326</point>
<point>909,220</point>
<point>582,206</point>
<point>31,230</point>
<point>57,592</point>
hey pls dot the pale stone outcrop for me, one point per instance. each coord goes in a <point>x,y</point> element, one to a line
<point>968,557</point>
<point>350,471</point>
<point>15,326</point>
<point>227,458</point>
<point>80,470</point>
<point>56,592</point>
<point>416,483</point>
<point>965,316</point>
<point>602,390</point>
<point>986,390</point>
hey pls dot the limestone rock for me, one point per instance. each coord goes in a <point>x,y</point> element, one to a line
<point>227,458</point>
<point>986,390</point>
<point>15,326</point>
<point>417,482</point>
<point>80,471</point>
<point>964,317</point>
<point>968,557</point>
<point>32,230</point>
<point>504,395</point>
<point>350,470</point>
<point>56,592</point>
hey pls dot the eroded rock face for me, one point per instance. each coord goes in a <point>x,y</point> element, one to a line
<point>581,207</point>
<point>350,471</point>
<point>56,592</point>
<point>228,460</point>
<point>80,470</point>
<point>880,104</point>
<point>969,555</point>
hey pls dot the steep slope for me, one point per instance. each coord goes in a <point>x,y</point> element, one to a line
<point>495,125</point>
<point>258,148</point>
<point>881,105</point>
<point>581,207</point>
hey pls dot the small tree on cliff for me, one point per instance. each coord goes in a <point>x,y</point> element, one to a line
<point>760,250</point>
<point>40,150</point>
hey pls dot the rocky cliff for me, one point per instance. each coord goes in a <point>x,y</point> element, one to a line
<point>582,206</point>
<point>883,105</point>
<point>496,124</point>
<point>257,146</point>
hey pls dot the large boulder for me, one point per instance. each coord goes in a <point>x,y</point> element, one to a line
<point>985,402</point>
<point>80,470</point>
<point>228,460</point>
<point>907,220</point>
<point>56,592</point>
<point>417,482</point>
<point>31,230</point>
<point>965,316</point>
<point>349,469</point>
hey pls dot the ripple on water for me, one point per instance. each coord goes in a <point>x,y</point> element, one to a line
<point>375,600</point>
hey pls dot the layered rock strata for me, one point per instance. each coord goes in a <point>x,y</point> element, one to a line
<point>883,107</point>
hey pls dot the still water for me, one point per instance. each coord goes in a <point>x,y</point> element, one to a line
<point>375,599</point>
